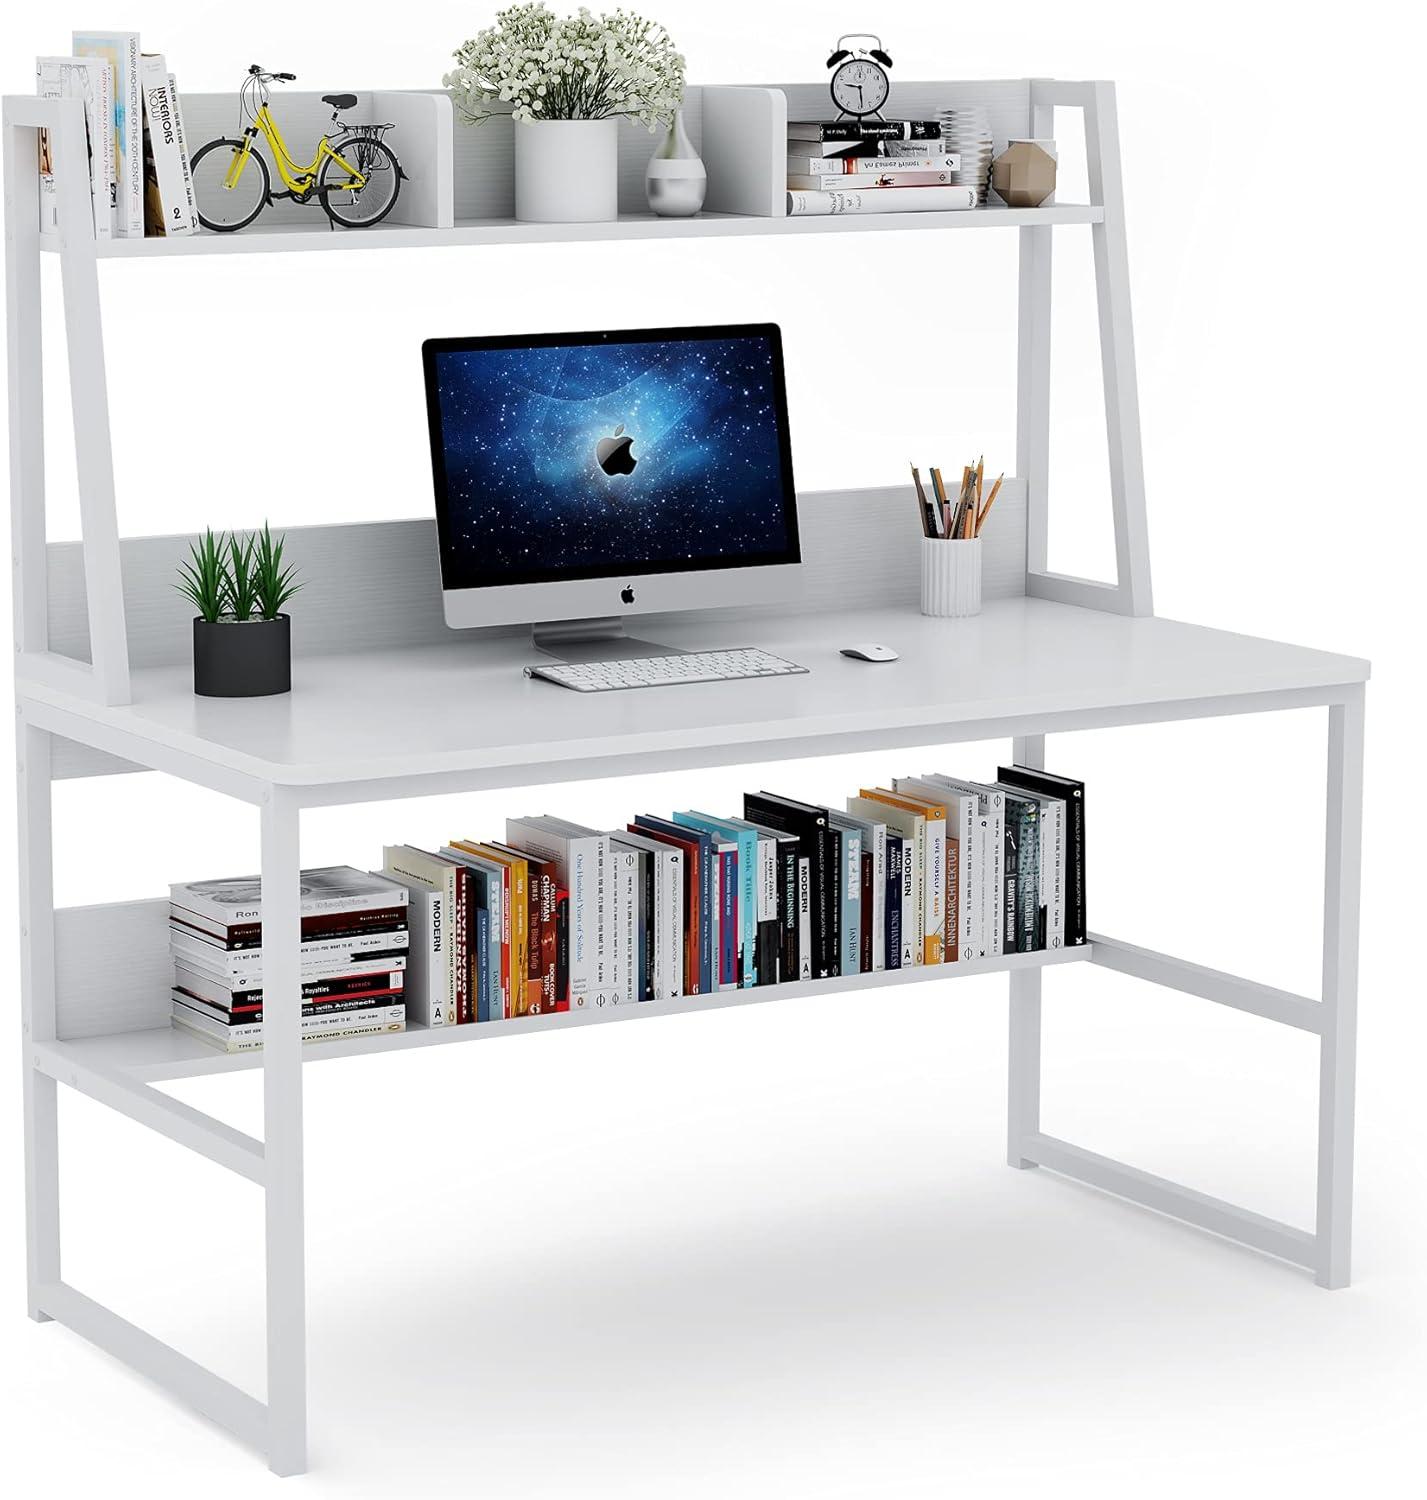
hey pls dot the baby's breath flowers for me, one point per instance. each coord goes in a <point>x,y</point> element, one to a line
<point>579,67</point>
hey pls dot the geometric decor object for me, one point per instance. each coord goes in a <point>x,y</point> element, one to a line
<point>1024,175</point>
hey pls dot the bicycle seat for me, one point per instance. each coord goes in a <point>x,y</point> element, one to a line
<point>340,101</point>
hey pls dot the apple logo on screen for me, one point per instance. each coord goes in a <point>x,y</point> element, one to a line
<point>626,594</point>
<point>614,455</point>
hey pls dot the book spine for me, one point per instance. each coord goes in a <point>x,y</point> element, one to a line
<point>893,935</point>
<point>913,850</point>
<point>805,918</point>
<point>951,948</point>
<point>850,913</point>
<point>650,904</point>
<point>829,908</point>
<point>865,130</point>
<point>429,991</point>
<point>879,897</point>
<point>562,950</point>
<point>875,180</point>
<point>749,898</point>
<point>168,199</point>
<point>866,927</point>
<point>790,950</point>
<point>1076,929</point>
<point>970,938</point>
<point>730,946</point>
<point>934,890</point>
<point>879,200</point>
<point>671,865</point>
<point>623,984</point>
<point>870,163</point>
<point>1024,815</point>
<point>481,954</point>
<point>1053,871</point>
<point>995,814</point>
<point>190,198</point>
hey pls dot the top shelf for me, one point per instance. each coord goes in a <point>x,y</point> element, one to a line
<point>291,237</point>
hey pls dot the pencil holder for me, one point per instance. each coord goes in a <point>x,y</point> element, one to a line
<point>951,577</point>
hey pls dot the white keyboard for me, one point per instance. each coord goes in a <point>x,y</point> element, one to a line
<point>661,671</point>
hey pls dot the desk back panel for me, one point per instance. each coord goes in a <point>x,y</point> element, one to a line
<point>376,586</point>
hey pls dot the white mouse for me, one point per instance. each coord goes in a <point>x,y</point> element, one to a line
<point>870,653</point>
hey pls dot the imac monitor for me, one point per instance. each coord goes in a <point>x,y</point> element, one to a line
<point>596,475</point>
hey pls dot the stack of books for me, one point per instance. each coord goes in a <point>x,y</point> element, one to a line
<point>355,941</point>
<point>141,182</point>
<point>558,916</point>
<point>871,167</point>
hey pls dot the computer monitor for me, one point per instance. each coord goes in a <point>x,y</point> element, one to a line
<point>590,476</point>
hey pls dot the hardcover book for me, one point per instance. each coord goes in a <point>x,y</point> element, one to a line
<point>119,51</point>
<point>1044,784</point>
<point>821,847</point>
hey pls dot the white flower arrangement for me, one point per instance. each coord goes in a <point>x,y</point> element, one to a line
<point>579,67</point>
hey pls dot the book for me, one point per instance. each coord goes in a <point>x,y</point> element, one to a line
<point>1073,794</point>
<point>253,1014</point>
<point>581,860</point>
<point>119,51</point>
<point>623,894</point>
<point>874,177</point>
<point>893,949</point>
<point>821,847</point>
<point>667,863</point>
<point>645,911</point>
<point>246,1038</point>
<point>864,130</point>
<point>924,824</point>
<point>325,926</point>
<point>850,893</point>
<point>962,905</point>
<point>775,867</point>
<point>89,79</point>
<point>520,990</point>
<point>862,162</point>
<point>319,959</point>
<point>359,989</point>
<point>874,844</point>
<point>541,885</point>
<point>726,904</point>
<point>327,891</point>
<point>562,949</point>
<point>805,919</point>
<point>444,877</point>
<point>430,994</point>
<point>881,200</point>
<point>990,847</point>
<point>1023,856</point>
<point>190,195</point>
<point>166,195</point>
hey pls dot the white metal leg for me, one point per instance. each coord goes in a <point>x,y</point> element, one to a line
<point>1338,1049</point>
<point>282,1115</point>
<point>37,1009</point>
<point>1023,1080</point>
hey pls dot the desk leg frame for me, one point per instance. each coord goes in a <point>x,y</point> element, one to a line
<point>1326,1249</point>
<point>279,1426</point>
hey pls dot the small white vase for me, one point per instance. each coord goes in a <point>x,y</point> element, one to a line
<point>676,180</point>
<point>566,171</point>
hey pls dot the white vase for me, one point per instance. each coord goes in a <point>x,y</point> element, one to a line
<point>566,171</point>
<point>675,180</point>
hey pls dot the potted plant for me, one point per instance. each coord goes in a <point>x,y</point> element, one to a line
<point>568,81</point>
<point>242,641</point>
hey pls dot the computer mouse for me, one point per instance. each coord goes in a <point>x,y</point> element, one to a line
<point>870,653</point>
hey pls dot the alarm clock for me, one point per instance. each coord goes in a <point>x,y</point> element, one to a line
<point>859,83</point>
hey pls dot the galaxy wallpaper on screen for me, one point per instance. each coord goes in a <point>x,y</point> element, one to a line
<point>610,456</point>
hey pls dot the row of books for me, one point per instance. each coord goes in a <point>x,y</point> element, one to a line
<point>353,968</point>
<point>561,916</point>
<point>872,166</point>
<point>140,180</point>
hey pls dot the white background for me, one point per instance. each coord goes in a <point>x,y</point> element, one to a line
<point>777,1251</point>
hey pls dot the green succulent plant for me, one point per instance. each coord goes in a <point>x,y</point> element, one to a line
<point>274,582</point>
<point>236,577</point>
<point>203,577</point>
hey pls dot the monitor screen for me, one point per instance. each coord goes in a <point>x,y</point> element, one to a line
<point>575,456</point>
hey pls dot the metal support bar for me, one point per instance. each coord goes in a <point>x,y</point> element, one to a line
<point>190,1382</point>
<point>1023,1071</point>
<point>1033,322</point>
<point>1208,984</point>
<point>282,1131</point>
<point>1337,1058</point>
<point>1165,1197</point>
<point>189,1127</point>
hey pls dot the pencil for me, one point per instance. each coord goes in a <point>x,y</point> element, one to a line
<point>943,507</point>
<point>986,509</point>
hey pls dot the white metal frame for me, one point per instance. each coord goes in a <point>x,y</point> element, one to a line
<point>56,700</point>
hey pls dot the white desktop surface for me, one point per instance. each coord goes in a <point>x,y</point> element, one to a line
<point>466,707</point>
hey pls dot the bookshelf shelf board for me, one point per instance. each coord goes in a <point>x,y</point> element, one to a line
<point>460,714</point>
<point>164,1053</point>
<point>287,238</point>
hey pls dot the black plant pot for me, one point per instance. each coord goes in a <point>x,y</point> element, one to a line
<point>242,658</point>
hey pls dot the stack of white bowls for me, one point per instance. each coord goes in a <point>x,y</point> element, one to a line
<point>966,131</point>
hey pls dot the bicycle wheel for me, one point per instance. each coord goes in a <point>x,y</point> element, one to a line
<point>360,208</point>
<point>228,208</point>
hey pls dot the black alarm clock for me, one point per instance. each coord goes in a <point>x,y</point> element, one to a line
<point>859,83</point>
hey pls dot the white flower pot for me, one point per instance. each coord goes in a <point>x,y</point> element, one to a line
<point>566,171</point>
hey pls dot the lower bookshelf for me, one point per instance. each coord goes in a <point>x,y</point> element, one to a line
<point>156,1053</point>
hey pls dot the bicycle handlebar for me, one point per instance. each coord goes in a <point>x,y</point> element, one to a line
<point>256,71</point>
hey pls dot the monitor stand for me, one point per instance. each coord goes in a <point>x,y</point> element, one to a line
<point>594,640</point>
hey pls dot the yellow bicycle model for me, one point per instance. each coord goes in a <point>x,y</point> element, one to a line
<point>355,175</point>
